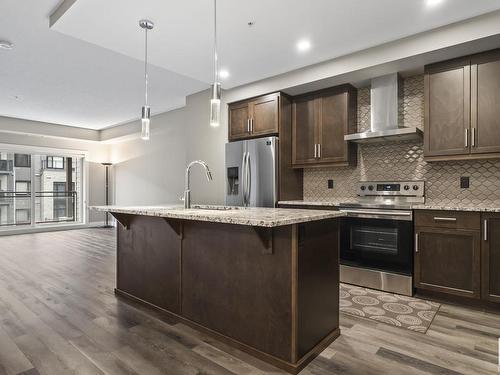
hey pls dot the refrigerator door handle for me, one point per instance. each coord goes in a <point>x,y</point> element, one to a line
<point>243,174</point>
<point>249,181</point>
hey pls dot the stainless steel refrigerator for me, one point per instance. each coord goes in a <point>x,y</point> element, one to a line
<point>252,172</point>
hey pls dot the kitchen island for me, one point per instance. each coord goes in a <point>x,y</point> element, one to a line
<point>263,280</point>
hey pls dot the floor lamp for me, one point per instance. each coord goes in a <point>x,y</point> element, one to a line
<point>106,201</point>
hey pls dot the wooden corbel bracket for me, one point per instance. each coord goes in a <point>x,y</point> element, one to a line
<point>266,237</point>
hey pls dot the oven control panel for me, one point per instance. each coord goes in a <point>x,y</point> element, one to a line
<point>394,188</point>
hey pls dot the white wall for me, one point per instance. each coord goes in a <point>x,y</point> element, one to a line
<point>151,172</point>
<point>206,143</point>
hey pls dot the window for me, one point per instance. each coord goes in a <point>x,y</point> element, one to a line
<point>23,216</point>
<point>23,186</point>
<point>22,160</point>
<point>3,215</point>
<point>55,162</point>
<point>63,206</point>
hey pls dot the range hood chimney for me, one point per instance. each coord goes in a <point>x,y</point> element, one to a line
<point>386,95</point>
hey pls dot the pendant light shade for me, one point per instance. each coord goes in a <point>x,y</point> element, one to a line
<point>146,109</point>
<point>215,105</point>
<point>145,121</point>
<point>216,89</point>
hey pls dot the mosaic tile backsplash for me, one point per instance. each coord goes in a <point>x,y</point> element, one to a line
<point>405,161</point>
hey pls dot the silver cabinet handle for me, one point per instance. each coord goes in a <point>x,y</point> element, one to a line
<point>453,219</point>
<point>315,151</point>
<point>319,150</point>
<point>416,242</point>
<point>466,138</point>
<point>473,138</point>
<point>485,229</point>
<point>248,125</point>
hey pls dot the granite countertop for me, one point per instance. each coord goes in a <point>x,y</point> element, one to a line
<point>443,207</point>
<point>494,207</point>
<point>254,216</point>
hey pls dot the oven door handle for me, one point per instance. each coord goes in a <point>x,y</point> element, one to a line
<point>369,214</point>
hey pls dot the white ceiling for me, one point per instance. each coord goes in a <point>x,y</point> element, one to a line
<point>63,80</point>
<point>182,39</point>
<point>86,70</point>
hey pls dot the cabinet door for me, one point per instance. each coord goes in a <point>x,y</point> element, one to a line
<point>448,261</point>
<point>239,121</point>
<point>264,114</point>
<point>490,248</point>
<point>333,121</point>
<point>485,108</point>
<point>304,131</point>
<point>447,109</point>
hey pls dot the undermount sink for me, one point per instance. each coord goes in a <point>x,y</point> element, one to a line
<point>214,208</point>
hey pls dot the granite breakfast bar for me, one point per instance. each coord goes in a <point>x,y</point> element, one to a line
<point>263,280</point>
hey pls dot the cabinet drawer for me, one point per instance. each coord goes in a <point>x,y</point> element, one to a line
<point>448,219</point>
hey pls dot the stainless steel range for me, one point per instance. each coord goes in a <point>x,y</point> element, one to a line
<point>376,236</point>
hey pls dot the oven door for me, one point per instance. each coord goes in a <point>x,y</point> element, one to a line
<point>382,244</point>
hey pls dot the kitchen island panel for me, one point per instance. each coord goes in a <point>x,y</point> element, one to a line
<point>317,282</point>
<point>236,282</point>
<point>148,260</point>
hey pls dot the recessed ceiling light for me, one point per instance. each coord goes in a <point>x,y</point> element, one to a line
<point>303,45</point>
<point>432,3</point>
<point>6,45</point>
<point>223,73</point>
<point>18,98</point>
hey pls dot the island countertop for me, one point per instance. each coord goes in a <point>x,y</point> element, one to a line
<point>252,216</point>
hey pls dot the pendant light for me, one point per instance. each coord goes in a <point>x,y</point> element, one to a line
<point>146,109</point>
<point>216,90</point>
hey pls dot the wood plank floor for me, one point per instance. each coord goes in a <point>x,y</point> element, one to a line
<point>58,315</point>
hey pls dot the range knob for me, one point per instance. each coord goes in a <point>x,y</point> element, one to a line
<point>406,187</point>
<point>415,187</point>
<point>370,187</point>
<point>363,187</point>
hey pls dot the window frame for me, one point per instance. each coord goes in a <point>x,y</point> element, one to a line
<point>17,164</point>
<point>51,165</point>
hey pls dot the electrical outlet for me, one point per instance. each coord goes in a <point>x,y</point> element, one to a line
<point>464,182</point>
<point>330,184</point>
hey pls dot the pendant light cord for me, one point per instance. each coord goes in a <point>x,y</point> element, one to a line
<point>216,72</point>
<point>146,67</point>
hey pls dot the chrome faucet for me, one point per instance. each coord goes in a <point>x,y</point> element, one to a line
<point>187,192</point>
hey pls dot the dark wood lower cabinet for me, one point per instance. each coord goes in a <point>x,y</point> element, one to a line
<point>490,251</point>
<point>448,261</point>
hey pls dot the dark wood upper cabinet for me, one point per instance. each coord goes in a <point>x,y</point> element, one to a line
<point>485,115</point>
<point>254,118</point>
<point>333,126</point>
<point>238,121</point>
<point>462,115</point>
<point>320,122</point>
<point>304,128</point>
<point>447,109</point>
<point>264,115</point>
<point>490,257</point>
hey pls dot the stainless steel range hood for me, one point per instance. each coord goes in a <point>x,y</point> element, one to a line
<point>386,96</point>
